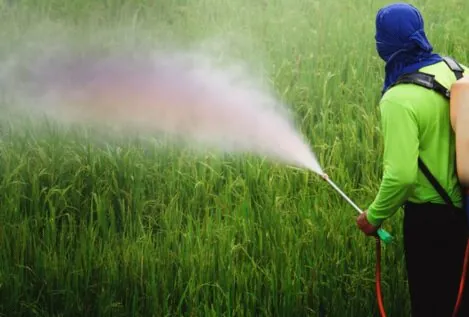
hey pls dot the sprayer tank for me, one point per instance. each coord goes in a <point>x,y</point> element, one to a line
<point>459,113</point>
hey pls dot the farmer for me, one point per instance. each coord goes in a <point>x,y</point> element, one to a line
<point>416,123</point>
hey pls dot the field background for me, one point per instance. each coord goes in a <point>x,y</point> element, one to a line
<point>123,229</point>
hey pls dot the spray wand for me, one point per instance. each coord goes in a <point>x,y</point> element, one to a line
<point>383,234</point>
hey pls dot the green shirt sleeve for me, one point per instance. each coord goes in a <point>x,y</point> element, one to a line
<point>400,167</point>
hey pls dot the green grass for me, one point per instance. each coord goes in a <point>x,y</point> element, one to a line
<point>127,229</point>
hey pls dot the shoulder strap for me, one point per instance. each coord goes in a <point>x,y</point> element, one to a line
<point>424,80</point>
<point>454,66</point>
<point>435,183</point>
<point>428,81</point>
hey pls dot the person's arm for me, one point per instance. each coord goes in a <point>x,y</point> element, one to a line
<point>400,167</point>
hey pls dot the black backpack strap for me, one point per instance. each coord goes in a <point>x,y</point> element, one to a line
<point>424,80</point>
<point>435,183</point>
<point>454,66</point>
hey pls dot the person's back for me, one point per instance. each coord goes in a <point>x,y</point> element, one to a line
<point>431,113</point>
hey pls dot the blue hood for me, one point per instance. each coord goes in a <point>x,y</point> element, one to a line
<point>401,41</point>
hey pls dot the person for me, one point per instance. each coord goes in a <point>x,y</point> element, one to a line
<point>416,124</point>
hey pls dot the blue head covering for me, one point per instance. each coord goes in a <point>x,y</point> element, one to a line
<point>401,41</point>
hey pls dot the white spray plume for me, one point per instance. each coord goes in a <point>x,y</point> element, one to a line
<point>180,94</point>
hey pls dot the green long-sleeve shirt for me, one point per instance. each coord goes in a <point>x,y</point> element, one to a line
<point>415,121</point>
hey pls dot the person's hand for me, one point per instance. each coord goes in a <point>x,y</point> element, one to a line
<point>365,226</point>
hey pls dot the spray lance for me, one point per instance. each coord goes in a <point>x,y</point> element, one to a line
<point>381,235</point>
<point>307,159</point>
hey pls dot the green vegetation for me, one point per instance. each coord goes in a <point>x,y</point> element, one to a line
<point>125,229</point>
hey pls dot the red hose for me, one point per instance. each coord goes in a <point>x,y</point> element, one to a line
<point>463,279</point>
<point>379,294</point>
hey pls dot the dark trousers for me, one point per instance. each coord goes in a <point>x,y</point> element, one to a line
<point>435,238</point>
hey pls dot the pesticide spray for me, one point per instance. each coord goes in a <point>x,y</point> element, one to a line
<point>179,94</point>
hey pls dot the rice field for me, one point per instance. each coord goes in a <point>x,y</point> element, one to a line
<point>124,227</point>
